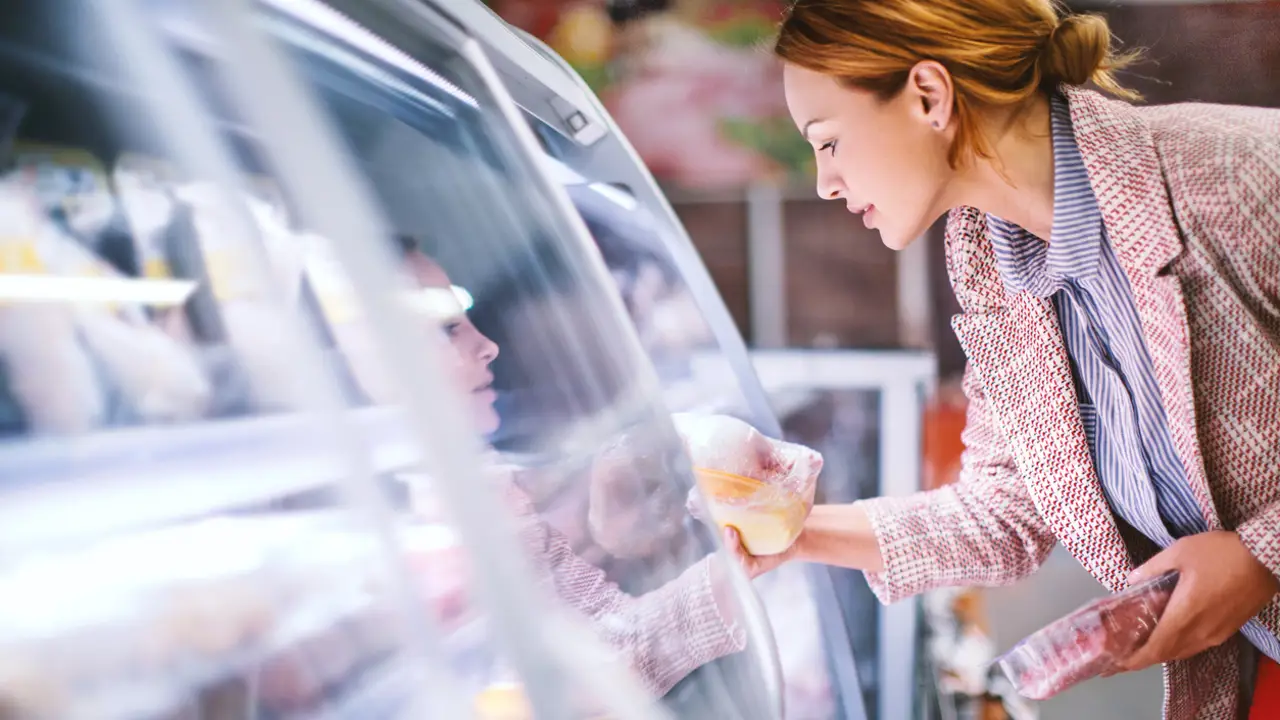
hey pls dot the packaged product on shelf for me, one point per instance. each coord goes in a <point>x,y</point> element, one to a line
<point>1088,642</point>
<point>503,701</point>
<point>88,235</point>
<point>246,303</point>
<point>71,185</point>
<point>182,609</point>
<point>74,250</point>
<point>50,379</point>
<point>762,487</point>
<point>506,700</point>
<point>149,209</point>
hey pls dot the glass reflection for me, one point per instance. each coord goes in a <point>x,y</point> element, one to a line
<point>663,634</point>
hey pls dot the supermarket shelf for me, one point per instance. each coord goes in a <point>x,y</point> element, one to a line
<point>843,369</point>
<point>54,489</point>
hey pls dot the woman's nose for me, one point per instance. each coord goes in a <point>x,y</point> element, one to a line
<point>488,350</point>
<point>829,185</point>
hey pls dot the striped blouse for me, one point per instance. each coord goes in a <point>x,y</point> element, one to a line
<point>1124,418</point>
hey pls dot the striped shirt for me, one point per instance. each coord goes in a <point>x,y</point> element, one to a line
<point>1124,418</point>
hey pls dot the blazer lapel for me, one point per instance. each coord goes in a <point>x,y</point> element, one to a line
<point>1124,171</point>
<point>1016,348</point>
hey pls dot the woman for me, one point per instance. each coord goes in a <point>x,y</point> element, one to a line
<point>1119,274</point>
<point>663,635</point>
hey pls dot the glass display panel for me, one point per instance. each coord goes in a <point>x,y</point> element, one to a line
<point>182,533</point>
<point>696,376</point>
<point>580,447</point>
<point>845,426</point>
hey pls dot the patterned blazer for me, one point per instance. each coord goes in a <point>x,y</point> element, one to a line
<point>1190,195</point>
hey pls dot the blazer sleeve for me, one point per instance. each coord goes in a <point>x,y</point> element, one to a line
<point>1261,534</point>
<point>663,635</point>
<point>982,530</point>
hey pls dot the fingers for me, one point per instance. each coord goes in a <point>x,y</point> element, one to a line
<point>733,542</point>
<point>1164,643</point>
<point>1162,563</point>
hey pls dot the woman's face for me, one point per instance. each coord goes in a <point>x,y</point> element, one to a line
<point>472,350</point>
<point>885,159</point>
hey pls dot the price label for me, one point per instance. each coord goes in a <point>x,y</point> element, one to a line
<point>20,258</point>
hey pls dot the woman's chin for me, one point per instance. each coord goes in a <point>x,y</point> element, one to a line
<point>895,240</point>
<point>488,422</point>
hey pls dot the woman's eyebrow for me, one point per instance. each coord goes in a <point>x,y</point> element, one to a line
<point>805,131</point>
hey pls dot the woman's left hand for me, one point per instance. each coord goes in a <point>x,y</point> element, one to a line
<point>1220,587</point>
<point>754,565</point>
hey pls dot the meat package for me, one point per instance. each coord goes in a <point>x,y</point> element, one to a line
<point>760,486</point>
<point>1088,642</point>
<point>294,606</point>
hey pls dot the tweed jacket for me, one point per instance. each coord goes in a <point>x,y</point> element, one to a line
<point>1190,196</point>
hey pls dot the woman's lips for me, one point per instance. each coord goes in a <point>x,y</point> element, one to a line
<point>866,211</point>
<point>485,393</point>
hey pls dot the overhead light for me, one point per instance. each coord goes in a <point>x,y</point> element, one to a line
<point>562,173</point>
<point>334,23</point>
<point>464,297</point>
<point>441,303</point>
<point>619,197</point>
<point>102,290</point>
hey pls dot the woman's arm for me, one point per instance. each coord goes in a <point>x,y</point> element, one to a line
<point>840,535</point>
<point>663,635</point>
<point>984,530</point>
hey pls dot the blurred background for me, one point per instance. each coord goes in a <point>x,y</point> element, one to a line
<point>691,84</point>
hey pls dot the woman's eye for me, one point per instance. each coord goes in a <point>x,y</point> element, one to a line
<point>829,145</point>
<point>451,329</point>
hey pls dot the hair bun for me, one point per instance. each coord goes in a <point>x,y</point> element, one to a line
<point>1077,49</point>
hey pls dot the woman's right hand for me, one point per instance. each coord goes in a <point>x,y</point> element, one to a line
<point>838,535</point>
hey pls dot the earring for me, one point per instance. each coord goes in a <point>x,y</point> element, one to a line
<point>936,125</point>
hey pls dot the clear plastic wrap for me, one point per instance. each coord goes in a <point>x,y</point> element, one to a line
<point>760,486</point>
<point>1088,642</point>
<point>187,608</point>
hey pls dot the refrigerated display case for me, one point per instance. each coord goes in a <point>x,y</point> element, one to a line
<point>864,411</point>
<point>827,627</point>
<point>310,365</point>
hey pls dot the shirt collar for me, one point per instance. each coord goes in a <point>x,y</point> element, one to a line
<point>1026,263</point>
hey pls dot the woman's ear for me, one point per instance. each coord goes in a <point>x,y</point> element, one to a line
<point>932,94</point>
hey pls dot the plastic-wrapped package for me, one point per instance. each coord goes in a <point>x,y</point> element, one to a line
<point>503,701</point>
<point>1088,642</point>
<point>762,487</point>
<point>632,511</point>
<point>184,608</point>
<point>243,299</point>
<point>506,700</point>
<point>51,379</point>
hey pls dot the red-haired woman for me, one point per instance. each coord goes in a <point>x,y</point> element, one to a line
<point>1119,274</point>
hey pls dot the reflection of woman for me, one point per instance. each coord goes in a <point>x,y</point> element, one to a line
<point>665,634</point>
<point>1119,272</point>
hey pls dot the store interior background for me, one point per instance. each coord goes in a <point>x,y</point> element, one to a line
<point>689,84</point>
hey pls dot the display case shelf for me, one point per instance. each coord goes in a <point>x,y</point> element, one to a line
<point>59,488</point>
